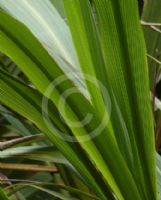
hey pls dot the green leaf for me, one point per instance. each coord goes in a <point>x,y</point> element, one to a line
<point>51,192</point>
<point>50,29</point>
<point>36,152</point>
<point>38,185</point>
<point>88,44</point>
<point>3,195</point>
<point>127,72</point>
<point>24,56</point>
<point>116,61</point>
<point>21,127</point>
<point>59,6</point>
<point>19,97</point>
<point>124,152</point>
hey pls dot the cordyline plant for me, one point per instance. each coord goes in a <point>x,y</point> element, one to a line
<point>104,75</point>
